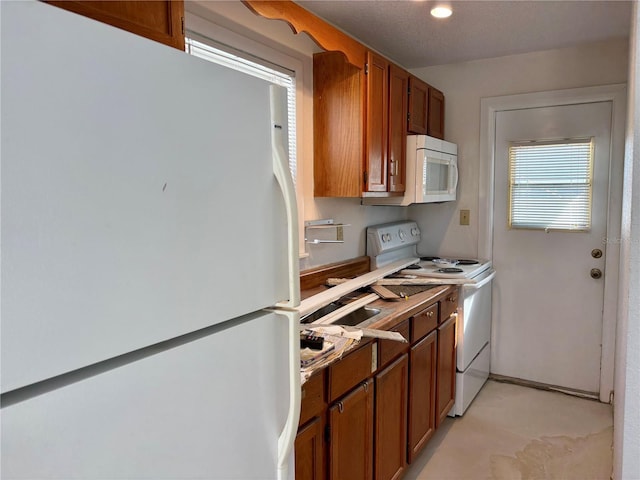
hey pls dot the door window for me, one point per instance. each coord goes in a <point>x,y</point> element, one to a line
<point>550,185</point>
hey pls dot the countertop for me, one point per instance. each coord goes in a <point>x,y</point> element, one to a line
<point>397,312</point>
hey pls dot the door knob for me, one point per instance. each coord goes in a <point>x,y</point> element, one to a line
<point>596,273</point>
<point>596,253</point>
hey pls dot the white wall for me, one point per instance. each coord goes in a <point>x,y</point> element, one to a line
<point>464,84</point>
<point>234,16</point>
<point>626,464</point>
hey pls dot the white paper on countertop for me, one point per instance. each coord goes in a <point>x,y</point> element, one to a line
<point>336,331</point>
<point>342,338</point>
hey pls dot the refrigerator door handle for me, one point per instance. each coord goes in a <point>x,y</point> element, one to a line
<point>288,435</point>
<point>281,170</point>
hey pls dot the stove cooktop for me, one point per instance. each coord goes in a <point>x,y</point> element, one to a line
<point>396,241</point>
<point>425,268</point>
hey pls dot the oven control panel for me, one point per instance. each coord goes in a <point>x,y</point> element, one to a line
<point>392,236</point>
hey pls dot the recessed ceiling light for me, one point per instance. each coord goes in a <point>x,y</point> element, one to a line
<point>441,12</point>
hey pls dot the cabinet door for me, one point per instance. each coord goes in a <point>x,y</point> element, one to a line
<point>338,113</point>
<point>418,104</point>
<point>436,113</point>
<point>398,100</point>
<point>309,451</point>
<point>159,20</point>
<point>391,420</point>
<point>422,393</point>
<point>376,123</point>
<point>312,396</point>
<point>351,435</point>
<point>446,377</point>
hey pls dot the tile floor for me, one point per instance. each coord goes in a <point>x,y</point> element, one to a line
<point>512,432</point>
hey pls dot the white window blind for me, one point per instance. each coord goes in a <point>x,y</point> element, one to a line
<point>259,68</point>
<point>550,185</point>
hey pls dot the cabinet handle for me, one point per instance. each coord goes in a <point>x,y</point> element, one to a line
<point>451,299</point>
<point>340,407</point>
<point>429,314</point>
<point>365,386</point>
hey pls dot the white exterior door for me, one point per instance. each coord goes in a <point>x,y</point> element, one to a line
<point>548,309</point>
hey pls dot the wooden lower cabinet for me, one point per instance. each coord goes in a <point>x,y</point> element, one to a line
<point>369,414</point>
<point>446,384</point>
<point>391,420</point>
<point>351,435</point>
<point>422,393</point>
<point>309,451</point>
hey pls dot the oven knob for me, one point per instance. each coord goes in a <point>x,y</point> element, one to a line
<point>401,234</point>
<point>415,232</point>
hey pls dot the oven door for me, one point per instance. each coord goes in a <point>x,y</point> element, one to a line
<point>474,322</point>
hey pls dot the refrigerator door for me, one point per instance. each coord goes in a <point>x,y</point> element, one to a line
<point>139,200</point>
<point>208,406</point>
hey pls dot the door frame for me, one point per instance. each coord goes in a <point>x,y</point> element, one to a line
<point>617,94</point>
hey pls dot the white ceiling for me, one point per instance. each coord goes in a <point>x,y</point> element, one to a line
<point>405,31</point>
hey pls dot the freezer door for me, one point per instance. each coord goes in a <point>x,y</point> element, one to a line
<point>139,200</point>
<point>212,408</point>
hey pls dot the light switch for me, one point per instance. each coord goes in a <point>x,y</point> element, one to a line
<point>464,217</point>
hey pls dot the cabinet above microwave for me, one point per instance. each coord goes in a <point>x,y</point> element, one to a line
<point>432,173</point>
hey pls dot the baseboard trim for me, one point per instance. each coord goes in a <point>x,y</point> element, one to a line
<point>544,386</point>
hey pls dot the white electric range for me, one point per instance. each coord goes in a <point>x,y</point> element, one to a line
<point>398,240</point>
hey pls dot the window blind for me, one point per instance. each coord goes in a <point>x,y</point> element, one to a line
<point>550,185</point>
<point>231,58</point>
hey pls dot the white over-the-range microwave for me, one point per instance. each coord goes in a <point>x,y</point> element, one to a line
<point>432,173</point>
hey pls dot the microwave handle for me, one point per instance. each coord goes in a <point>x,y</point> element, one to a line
<point>454,166</point>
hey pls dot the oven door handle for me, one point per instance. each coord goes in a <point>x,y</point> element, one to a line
<point>481,283</point>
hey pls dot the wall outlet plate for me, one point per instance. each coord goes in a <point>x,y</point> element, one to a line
<point>464,217</point>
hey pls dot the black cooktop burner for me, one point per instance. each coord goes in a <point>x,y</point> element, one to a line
<point>468,262</point>
<point>449,270</point>
<point>415,266</point>
<point>428,259</point>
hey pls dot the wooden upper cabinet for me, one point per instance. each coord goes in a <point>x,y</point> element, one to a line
<point>338,109</point>
<point>398,106</point>
<point>377,122</point>
<point>159,20</point>
<point>426,109</point>
<point>359,126</point>
<point>435,125</point>
<point>418,106</point>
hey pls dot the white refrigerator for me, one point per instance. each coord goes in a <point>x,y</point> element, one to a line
<point>149,260</point>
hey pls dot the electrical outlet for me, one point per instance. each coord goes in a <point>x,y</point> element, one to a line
<point>464,217</point>
<point>339,233</point>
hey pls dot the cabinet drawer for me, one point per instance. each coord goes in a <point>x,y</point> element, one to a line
<point>351,370</point>
<point>449,305</point>
<point>390,349</point>
<point>312,398</point>
<point>424,322</point>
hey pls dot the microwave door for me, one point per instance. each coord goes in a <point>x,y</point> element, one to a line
<point>439,177</point>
